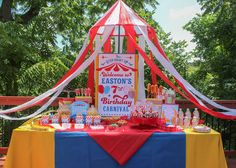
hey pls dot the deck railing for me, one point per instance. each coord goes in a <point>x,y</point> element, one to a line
<point>227,128</point>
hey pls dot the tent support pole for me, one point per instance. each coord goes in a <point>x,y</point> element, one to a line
<point>119,39</point>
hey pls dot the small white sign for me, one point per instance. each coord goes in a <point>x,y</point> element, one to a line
<point>170,113</point>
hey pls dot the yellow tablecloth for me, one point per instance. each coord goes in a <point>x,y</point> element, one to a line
<point>204,150</point>
<point>31,149</point>
<point>35,149</point>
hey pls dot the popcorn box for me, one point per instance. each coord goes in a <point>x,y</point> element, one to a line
<point>97,120</point>
<point>65,119</point>
<point>79,119</point>
<point>44,119</point>
<point>89,120</point>
<point>55,119</point>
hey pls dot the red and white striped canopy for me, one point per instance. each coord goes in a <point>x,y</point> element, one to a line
<point>120,15</point>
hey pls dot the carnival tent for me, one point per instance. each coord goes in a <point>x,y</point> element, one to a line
<point>120,22</point>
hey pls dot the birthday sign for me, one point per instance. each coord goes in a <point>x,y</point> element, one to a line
<point>116,84</point>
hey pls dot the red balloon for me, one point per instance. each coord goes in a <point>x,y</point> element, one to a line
<point>101,89</point>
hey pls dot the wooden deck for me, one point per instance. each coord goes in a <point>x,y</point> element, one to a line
<point>230,161</point>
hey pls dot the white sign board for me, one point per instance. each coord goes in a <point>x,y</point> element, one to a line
<point>116,84</point>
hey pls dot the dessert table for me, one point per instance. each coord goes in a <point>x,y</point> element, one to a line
<point>32,148</point>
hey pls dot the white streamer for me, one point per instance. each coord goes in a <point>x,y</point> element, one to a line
<point>141,87</point>
<point>44,95</point>
<point>41,109</point>
<point>121,44</point>
<point>116,44</point>
<point>82,49</point>
<point>170,68</point>
<point>29,103</point>
<point>60,87</point>
<point>98,41</point>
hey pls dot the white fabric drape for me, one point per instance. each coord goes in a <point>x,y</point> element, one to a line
<point>117,43</point>
<point>170,68</point>
<point>41,109</point>
<point>44,95</point>
<point>33,101</point>
<point>141,87</point>
<point>83,48</point>
<point>60,87</point>
<point>98,41</point>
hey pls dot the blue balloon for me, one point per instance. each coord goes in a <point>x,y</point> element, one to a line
<point>107,89</point>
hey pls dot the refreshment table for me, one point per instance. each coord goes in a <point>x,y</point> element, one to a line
<point>32,148</point>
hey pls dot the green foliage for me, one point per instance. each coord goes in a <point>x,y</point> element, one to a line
<point>15,51</point>
<point>29,30</point>
<point>45,73</point>
<point>215,35</point>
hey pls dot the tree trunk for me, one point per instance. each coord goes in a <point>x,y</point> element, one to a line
<point>12,86</point>
<point>11,78</point>
<point>5,11</point>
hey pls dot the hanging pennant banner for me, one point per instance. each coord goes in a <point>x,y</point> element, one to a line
<point>116,84</point>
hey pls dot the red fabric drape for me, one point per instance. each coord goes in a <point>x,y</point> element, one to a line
<point>155,69</point>
<point>130,46</point>
<point>125,16</point>
<point>107,46</point>
<point>81,59</point>
<point>156,43</point>
<point>154,77</point>
<point>73,68</point>
<point>90,82</point>
<point>103,20</point>
<point>189,97</point>
<point>121,145</point>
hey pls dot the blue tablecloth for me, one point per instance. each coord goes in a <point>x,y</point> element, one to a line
<point>79,150</point>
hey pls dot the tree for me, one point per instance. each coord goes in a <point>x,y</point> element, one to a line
<point>29,33</point>
<point>215,35</point>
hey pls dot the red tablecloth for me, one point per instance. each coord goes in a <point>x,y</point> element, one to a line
<point>123,143</point>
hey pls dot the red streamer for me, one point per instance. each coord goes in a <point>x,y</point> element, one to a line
<point>72,70</point>
<point>81,59</point>
<point>90,82</point>
<point>107,46</point>
<point>154,77</point>
<point>155,69</point>
<point>130,46</point>
<point>191,98</point>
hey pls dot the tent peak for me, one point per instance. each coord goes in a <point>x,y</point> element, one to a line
<point>120,15</point>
